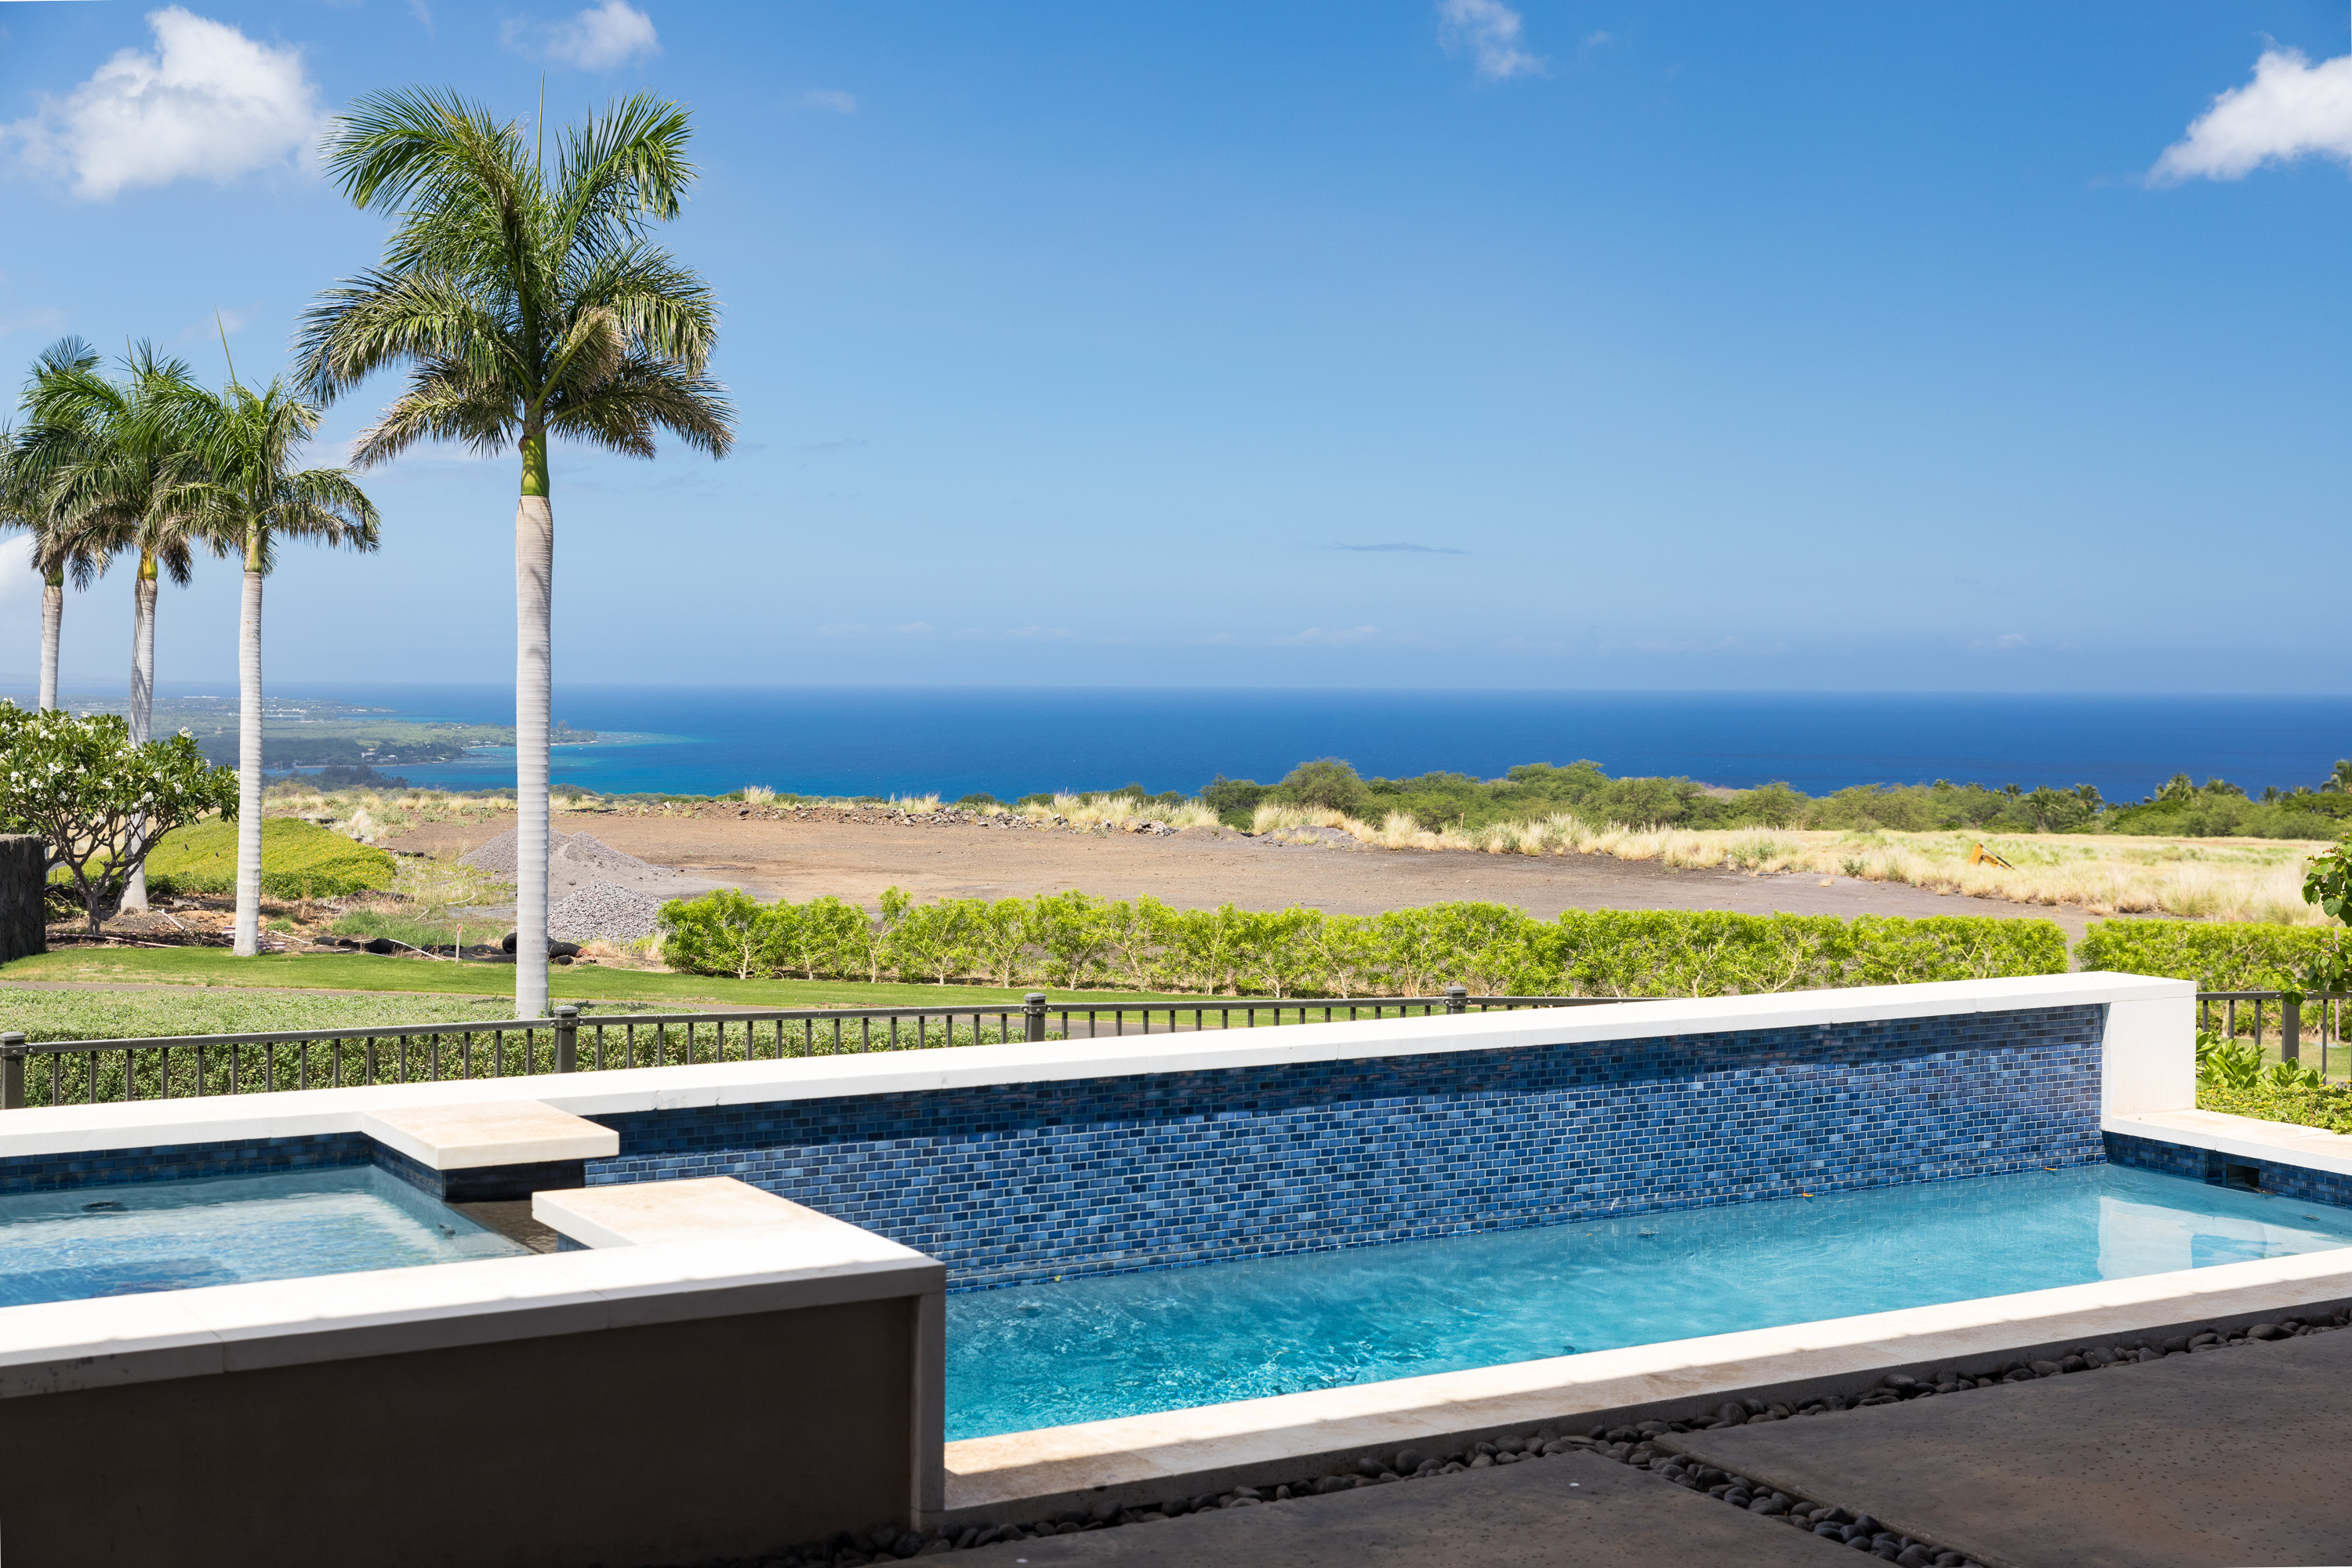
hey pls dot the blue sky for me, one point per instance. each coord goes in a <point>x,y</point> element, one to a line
<point>1548,344</point>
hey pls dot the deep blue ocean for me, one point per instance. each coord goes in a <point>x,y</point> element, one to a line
<point>1013,741</point>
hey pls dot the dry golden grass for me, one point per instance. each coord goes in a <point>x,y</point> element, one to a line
<point>2224,878</point>
<point>1120,810</point>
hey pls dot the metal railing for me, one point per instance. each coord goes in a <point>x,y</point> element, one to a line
<point>83,1072</point>
<point>2241,1015</point>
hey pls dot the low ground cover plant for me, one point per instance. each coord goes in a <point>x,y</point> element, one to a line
<point>1071,942</point>
<point>298,860</point>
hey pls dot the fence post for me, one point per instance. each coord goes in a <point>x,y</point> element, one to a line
<point>12,1071</point>
<point>1457,998</point>
<point>567,1038</point>
<point>1033,1015</point>
<point>2290,1029</point>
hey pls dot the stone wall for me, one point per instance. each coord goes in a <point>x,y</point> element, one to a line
<point>1008,1183</point>
<point>24,869</point>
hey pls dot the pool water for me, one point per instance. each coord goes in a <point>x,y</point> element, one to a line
<point>1086,1350</point>
<point>226,1230</point>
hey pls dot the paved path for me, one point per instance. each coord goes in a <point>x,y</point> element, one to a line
<point>1569,1511</point>
<point>2237,1456</point>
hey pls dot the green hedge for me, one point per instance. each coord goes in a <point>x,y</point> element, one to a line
<point>1072,942</point>
<point>298,860</point>
<point>2219,955</point>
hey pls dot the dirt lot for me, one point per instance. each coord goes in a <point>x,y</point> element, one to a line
<point>857,854</point>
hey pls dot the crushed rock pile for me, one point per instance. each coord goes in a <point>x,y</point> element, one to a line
<point>603,912</point>
<point>577,861</point>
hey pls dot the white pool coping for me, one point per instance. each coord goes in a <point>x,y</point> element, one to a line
<point>55,1346</point>
<point>467,1137</point>
<point>2142,1014</point>
<point>2279,1142</point>
<point>698,1208</point>
<point>1019,1475</point>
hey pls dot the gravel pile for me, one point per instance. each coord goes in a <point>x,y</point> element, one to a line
<point>497,856</point>
<point>1646,1445</point>
<point>602,911</point>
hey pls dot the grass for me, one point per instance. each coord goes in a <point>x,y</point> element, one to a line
<point>129,1015</point>
<point>2222,878</point>
<point>212,967</point>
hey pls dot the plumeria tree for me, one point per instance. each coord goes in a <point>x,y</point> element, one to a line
<point>99,799</point>
<point>527,303</point>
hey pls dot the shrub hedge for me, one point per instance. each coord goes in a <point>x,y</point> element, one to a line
<point>2219,955</point>
<point>298,860</point>
<point>1073,942</point>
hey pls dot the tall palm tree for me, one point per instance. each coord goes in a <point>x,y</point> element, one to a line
<point>126,476</point>
<point>253,496</point>
<point>28,504</point>
<point>527,303</point>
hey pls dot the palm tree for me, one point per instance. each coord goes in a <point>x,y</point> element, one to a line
<point>254,497</point>
<point>527,303</point>
<point>124,474</point>
<point>26,504</point>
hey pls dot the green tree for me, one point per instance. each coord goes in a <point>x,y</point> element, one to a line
<point>31,503</point>
<point>119,464</point>
<point>1068,929</point>
<point>528,304</point>
<point>723,933</point>
<point>99,799</point>
<point>1326,784</point>
<point>255,497</point>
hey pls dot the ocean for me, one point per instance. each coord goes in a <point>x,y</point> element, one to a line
<point>1011,742</point>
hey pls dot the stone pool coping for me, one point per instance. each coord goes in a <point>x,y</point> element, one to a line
<point>2147,1064</point>
<point>53,1347</point>
<point>2279,1142</point>
<point>1139,1458</point>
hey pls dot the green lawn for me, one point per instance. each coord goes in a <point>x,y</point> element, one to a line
<point>269,993</point>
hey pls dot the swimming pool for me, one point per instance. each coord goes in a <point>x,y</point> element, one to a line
<point>1087,1350</point>
<point>226,1230</point>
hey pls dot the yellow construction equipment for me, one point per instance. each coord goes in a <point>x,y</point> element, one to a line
<point>1980,856</point>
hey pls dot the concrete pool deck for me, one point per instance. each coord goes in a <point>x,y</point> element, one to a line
<point>1570,1511</point>
<point>2195,1461</point>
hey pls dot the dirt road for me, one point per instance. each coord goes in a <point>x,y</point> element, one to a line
<point>802,857</point>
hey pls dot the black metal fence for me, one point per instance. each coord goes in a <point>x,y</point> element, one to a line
<point>2309,1029</point>
<point>82,1072</point>
<point>2305,1027</point>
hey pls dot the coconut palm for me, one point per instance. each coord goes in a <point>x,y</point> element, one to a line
<point>252,497</point>
<point>119,465</point>
<point>527,303</point>
<point>28,505</point>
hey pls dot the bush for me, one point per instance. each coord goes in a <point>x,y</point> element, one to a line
<point>1071,942</point>
<point>2218,955</point>
<point>298,860</point>
<point>2329,1108</point>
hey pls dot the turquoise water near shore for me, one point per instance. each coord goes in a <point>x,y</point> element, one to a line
<point>1011,742</point>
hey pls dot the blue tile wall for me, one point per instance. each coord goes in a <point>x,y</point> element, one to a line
<point>2298,1181</point>
<point>166,1162</point>
<point>1017,1183</point>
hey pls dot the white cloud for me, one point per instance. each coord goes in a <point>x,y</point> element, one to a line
<point>209,103</point>
<point>603,36</point>
<point>827,98</point>
<point>2291,108</point>
<point>1488,31</point>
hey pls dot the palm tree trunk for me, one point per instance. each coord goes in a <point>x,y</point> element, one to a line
<point>142,707</point>
<point>53,622</point>
<point>248,754</point>
<point>534,611</point>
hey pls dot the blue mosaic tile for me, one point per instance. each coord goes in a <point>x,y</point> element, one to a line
<point>2298,1181</point>
<point>171,1161</point>
<point>1009,1183</point>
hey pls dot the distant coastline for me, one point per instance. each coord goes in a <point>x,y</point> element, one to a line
<point>882,741</point>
